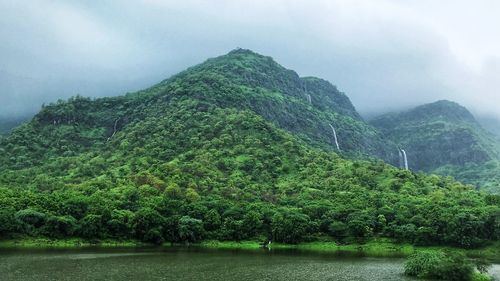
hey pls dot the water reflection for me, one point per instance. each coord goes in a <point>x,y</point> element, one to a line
<point>192,264</point>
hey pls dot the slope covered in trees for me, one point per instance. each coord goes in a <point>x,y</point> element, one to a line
<point>216,153</point>
<point>444,137</point>
<point>241,79</point>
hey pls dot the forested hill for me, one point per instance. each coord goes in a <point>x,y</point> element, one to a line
<point>242,80</point>
<point>305,106</point>
<point>225,150</point>
<point>445,137</point>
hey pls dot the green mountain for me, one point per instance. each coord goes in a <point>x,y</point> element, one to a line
<point>444,137</point>
<point>305,107</point>
<point>230,149</point>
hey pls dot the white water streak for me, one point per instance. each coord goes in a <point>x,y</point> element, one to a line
<point>400,158</point>
<point>114,129</point>
<point>335,137</point>
<point>405,159</point>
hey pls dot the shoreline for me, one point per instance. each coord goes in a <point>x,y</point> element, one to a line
<point>373,248</point>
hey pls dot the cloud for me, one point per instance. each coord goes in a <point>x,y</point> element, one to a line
<point>385,54</point>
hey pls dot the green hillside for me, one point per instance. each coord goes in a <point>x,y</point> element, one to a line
<point>230,149</point>
<point>444,137</point>
<point>241,79</point>
<point>245,80</point>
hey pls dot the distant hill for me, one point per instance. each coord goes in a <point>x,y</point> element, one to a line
<point>444,137</point>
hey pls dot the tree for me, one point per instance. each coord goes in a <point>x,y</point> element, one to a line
<point>173,191</point>
<point>289,226</point>
<point>465,230</point>
<point>338,229</point>
<point>121,223</point>
<point>252,223</point>
<point>192,195</point>
<point>30,220</point>
<point>60,226</point>
<point>91,226</point>
<point>190,230</point>
<point>147,219</point>
<point>212,220</point>
<point>8,222</point>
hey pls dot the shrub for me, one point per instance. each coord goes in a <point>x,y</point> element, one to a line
<point>60,226</point>
<point>30,220</point>
<point>423,264</point>
<point>451,266</point>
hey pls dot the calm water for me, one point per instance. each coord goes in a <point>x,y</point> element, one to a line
<point>191,264</point>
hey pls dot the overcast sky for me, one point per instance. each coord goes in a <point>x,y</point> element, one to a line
<point>384,54</point>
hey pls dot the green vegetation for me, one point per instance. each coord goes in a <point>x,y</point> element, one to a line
<point>224,151</point>
<point>444,138</point>
<point>378,247</point>
<point>66,243</point>
<point>484,175</point>
<point>440,265</point>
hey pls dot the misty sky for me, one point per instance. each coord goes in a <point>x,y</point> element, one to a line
<point>384,54</point>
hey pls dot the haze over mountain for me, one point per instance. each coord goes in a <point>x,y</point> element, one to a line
<point>490,123</point>
<point>388,55</point>
<point>363,127</point>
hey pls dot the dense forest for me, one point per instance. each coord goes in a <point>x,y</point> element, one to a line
<point>231,149</point>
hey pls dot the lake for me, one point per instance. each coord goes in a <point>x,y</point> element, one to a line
<point>192,264</point>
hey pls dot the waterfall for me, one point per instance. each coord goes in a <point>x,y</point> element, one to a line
<point>308,96</point>
<point>400,158</point>
<point>114,129</point>
<point>335,137</point>
<point>405,159</point>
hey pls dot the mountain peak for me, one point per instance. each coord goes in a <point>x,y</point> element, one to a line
<point>242,51</point>
<point>246,56</point>
<point>442,110</point>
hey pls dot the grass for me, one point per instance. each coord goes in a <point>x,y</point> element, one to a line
<point>374,248</point>
<point>65,243</point>
<point>230,245</point>
<point>476,276</point>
